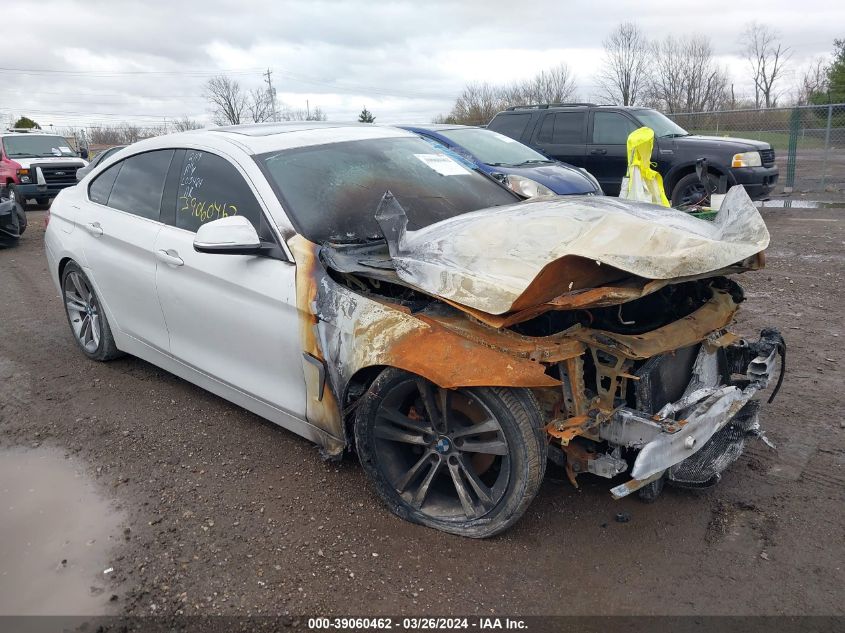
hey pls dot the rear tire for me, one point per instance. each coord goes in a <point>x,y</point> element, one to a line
<point>87,319</point>
<point>442,472</point>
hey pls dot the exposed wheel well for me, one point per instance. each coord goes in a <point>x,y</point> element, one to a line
<point>355,388</point>
<point>669,183</point>
<point>62,265</point>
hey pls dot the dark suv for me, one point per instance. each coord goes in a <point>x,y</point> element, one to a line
<point>592,136</point>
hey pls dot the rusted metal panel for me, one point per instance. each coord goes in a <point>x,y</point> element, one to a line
<point>714,315</point>
<point>350,331</point>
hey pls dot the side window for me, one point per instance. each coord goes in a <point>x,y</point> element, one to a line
<point>611,128</point>
<point>547,128</point>
<point>569,127</point>
<point>211,188</point>
<point>512,125</point>
<point>101,186</point>
<point>140,184</point>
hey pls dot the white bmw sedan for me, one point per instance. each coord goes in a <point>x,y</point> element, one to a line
<point>356,286</point>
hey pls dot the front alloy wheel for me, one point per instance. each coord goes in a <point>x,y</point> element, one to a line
<point>466,461</point>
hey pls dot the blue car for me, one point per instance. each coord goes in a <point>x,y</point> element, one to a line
<point>520,168</point>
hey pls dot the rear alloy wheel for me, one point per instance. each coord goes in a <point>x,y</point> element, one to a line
<point>466,461</point>
<point>87,321</point>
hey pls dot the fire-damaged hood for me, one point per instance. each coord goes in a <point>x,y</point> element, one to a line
<point>510,258</point>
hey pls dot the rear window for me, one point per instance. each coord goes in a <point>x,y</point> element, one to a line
<point>512,125</point>
<point>140,184</point>
<point>562,128</point>
<point>331,192</point>
<point>101,186</point>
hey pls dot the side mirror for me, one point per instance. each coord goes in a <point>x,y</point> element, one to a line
<point>234,235</point>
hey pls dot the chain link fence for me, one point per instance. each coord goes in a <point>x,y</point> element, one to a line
<point>809,142</point>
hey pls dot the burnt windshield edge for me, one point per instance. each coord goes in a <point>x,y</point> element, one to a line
<point>260,161</point>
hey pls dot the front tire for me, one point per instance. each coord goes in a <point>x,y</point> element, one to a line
<point>690,191</point>
<point>87,320</point>
<point>22,222</point>
<point>471,472</point>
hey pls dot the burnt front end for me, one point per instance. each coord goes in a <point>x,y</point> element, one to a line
<point>671,404</point>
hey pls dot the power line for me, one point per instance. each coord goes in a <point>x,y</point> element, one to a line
<point>119,73</point>
<point>271,92</point>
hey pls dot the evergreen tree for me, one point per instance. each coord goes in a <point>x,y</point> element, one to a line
<point>834,89</point>
<point>26,122</point>
<point>366,116</point>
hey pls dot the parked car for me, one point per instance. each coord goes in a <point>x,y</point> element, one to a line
<point>35,164</point>
<point>12,221</point>
<point>520,168</point>
<point>592,136</point>
<point>358,287</point>
<point>84,171</point>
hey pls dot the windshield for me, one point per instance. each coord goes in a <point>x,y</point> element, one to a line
<point>663,126</point>
<point>493,148</point>
<point>331,192</point>
<point>36,146</point>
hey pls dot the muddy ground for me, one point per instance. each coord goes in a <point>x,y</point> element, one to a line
<point>225,513</point>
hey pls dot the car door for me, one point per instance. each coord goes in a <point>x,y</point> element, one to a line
<point>562,136</point>
<point>120,221</point>
<point>607,156</point>
<point>232,317</point>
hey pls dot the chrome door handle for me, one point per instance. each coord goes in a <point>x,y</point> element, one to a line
<point>169,257</point>
<point>94,229</point>
<point>598,151</point>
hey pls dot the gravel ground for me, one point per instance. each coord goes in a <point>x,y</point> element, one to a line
<point>228,514</point>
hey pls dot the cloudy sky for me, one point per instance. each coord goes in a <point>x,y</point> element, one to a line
<point>89,62</point>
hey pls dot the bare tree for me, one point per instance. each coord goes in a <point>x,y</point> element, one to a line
<point>686,77</point>
<point>186,124</point>
<point>768,58</point>
<point>260,105</point>
<point>301,114</point>
<point>121,133</point>
<point>623,77</point>
<point>555,85</point>
<point>479,102</point>
<point>813,81</point>
<point>228,101</point>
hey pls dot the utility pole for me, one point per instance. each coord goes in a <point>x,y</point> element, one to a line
<point>271,92</point>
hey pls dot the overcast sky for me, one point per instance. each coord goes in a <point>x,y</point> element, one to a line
<point>144,61</point>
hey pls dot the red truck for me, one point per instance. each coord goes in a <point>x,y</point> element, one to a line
<point>36,164</point>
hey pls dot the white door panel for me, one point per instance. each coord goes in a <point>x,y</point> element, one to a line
<point>233,317</point>
<point>118,248</point>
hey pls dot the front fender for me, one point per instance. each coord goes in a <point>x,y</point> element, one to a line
<point>346,332</point>
<point>679,171</point>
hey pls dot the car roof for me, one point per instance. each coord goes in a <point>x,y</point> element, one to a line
<point>259,138</point>
<point>434,127</point>
<point>38,133</point>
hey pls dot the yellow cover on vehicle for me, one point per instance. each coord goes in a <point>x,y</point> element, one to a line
<point>642,183</point>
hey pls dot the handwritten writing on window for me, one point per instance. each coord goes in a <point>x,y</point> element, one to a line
<point>192,202</point>
<point>204,210</point>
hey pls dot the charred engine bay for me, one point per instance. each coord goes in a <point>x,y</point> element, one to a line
<point>648,313</point>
